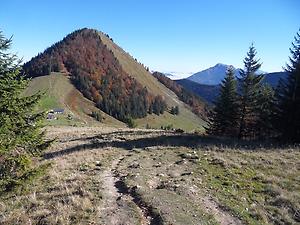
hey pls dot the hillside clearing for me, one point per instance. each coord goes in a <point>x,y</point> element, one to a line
<point>122,176</point>
<point>61,93</point>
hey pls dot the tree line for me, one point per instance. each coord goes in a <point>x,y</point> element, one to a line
<point>248,109</point>
<point>96,72</point>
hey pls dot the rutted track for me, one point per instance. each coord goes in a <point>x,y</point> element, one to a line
<point>149,216</point>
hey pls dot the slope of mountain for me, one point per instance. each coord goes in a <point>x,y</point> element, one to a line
<point>61,93</point>
<point>273,78</point>
<point>207,92</point>
<point>112,79</point>
<point>195,102</point>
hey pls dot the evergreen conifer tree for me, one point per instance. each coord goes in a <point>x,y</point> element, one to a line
<point>20,135</point>
<point>224,118</point>
<point>250,84</point>
<point>287,113</point>
<point>264,127</point>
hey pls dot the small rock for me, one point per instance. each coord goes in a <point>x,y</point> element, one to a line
<point>253,205</point>
<point>134,165</point>
<point>243,162</point>
<point>161,175</point>
<point>136,187</point>
<point>157,165</point>
<point>98,163</point>
<point>174,174</point>
<point>136,150</point>
<point>189,156</point>
<point>180,162</point>
<point>187,173</point>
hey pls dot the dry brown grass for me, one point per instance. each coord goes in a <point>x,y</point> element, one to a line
<point>69,194</point>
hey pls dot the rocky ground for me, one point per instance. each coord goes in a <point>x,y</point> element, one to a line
<point>121,176</point>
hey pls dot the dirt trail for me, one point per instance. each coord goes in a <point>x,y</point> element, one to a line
<point>110,196</point>
<point>116,200</point>
<point>222,216</point>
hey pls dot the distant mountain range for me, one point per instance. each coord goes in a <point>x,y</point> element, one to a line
<point>214,75</point>
<point>206,83</point>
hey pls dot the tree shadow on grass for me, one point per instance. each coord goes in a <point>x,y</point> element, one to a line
<point>171,140</point>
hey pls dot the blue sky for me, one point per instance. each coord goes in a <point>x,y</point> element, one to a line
<point>166,35</point>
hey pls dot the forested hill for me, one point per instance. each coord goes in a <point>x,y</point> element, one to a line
<point>97,73</point>
<point>195,102</point>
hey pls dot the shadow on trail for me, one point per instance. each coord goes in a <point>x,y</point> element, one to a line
<point>118,134</point>
<point>163,140</point>
<point>171,140</point>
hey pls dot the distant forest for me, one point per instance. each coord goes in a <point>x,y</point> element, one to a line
<point>197,105</point>
<point>96,72</point>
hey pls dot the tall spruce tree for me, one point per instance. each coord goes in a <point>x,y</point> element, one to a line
<point>250,84</point>
<point>20,135</point>
<point>287,113</point>
<point>264,124</point>
<point>224,118</point>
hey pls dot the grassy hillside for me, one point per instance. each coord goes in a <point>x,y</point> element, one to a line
<point>185,120</point>
<point>60,93</point>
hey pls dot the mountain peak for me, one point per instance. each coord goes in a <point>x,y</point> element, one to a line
<point>214,75</point>
<point>211,76</point>
<point>221,65</point>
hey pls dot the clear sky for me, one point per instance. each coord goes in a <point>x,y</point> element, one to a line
<point>166,35</point>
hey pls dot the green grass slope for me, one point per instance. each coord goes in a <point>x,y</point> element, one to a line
<point>61,93</point>
<point>185,120</point>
